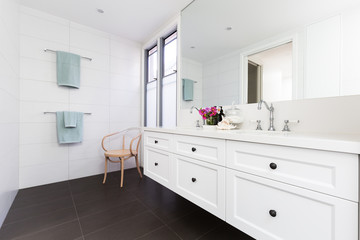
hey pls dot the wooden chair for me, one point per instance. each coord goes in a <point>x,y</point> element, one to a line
<point>123,154</point>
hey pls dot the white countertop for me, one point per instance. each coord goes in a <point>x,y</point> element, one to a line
<point>330,142</point>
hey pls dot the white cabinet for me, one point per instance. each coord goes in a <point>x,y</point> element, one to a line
<point>269,210</point>
<point>202,183</point>
<point>268,191</point>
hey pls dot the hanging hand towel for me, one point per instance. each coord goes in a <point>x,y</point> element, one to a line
<point>70,119</point>
<point>188,89</point>
<point>69,134</point>
<point>68,69</point>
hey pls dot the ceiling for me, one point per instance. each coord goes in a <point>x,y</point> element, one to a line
<point>133,19</point>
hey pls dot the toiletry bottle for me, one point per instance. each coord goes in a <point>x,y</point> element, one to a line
<point>221,114</point>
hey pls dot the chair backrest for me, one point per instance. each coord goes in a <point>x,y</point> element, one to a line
<point>130,136</point>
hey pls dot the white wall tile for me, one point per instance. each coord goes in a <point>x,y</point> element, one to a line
<point>95,131</point>
<point>33,47</point>
<point>123,66</point>
<point>86,40</point>
<point>125,82</point>
<point>89,95</point>
<point>93,166</point>
<point>31,90</point>
<point>32,69</point>
<point>43,174</point>
<point>124,98</point>
<point>123,50</point>
<point>45,153</point>
<point>33,112</point>
<point>125,114</point>
<point>100,61</point>
<point>99,113</point>
<point>47,30</point>
<point>31,133</point>
<point>94,78</point>
<point>85,150</point>
<point>10,110</point>
<point>9,141</point>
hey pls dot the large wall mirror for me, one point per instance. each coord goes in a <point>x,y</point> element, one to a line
<point>242,51</point>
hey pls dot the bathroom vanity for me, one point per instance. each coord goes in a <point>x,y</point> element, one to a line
<point>270,185</point>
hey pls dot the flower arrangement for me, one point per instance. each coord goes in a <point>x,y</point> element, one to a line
<point>211,115</point>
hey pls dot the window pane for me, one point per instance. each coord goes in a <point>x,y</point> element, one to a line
<point>170,53</point>
<point>169,101</point>
<point>151,104</point>
<point>152,65</point>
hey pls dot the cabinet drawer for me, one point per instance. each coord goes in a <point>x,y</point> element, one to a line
<point>157,165</point>
<point>327,172</point>
<point>206,149</point>
<point>267,209</point>
<point>158,140</point>
<point>202,183</point>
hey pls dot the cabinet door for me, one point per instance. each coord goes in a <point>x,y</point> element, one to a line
<point>267,209</point>
<point>201,183</point>
<point>157,165</point>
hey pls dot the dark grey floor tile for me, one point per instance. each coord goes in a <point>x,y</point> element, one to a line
<point>103,219</point>
<point>40,198</point>
<point>97,194</point>
<point>23,213</point>
<point>195,224</point>
<point>131,228</point>
<point>48,188</point>
<point>92,183</point>
<point>106,203</point>
<point>35,224</point>
<point>66,231</point>
<point>163,233</point>
<point>226,231</point>
<point>173,210</point>
<point>156,197</point>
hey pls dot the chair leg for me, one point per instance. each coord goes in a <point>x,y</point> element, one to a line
<point>122,172</point>
<point>105,173</point>
<point>137,165</point>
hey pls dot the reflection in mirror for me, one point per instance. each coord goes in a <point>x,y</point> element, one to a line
<point>217,38</point>
<point>270,74</point>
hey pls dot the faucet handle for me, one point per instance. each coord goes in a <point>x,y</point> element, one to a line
<point>258,122</point>
<point>286,124</point>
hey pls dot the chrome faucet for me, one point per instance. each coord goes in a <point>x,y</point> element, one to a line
<point>271,110</point>
<point>192,108</point>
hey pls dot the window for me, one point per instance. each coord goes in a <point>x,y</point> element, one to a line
<point>161,93</point>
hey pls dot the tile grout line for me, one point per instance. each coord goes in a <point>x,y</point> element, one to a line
<point>152,212</point>
<point>76,212</point>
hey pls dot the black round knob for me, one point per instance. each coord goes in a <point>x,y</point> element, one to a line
<point>156,141</point>
<point>193,179</point>
<point>273,165</point>
<point>272,213</point>
<point>156,164</point>
<point>193,149</point>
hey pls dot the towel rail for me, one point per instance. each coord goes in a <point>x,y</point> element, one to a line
<point>49,50</point>
<point>55,112</point>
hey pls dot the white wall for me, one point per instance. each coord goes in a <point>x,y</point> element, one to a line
<point>9,105</point>
<point>192,70</point>
<point>110,90</point>
<point>221,81</point>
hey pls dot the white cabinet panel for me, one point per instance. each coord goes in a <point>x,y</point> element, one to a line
<point>158,140</point>
<point>267,209</point>
<point>328,172</point>
<point>157,166</point>
<point>201,183</point>
<point>206,149</point>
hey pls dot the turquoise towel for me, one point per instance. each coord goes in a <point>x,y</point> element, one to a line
<point>70,119</point>
<point>69,134</point>
<point>68,69</point>
<point>188,89</point>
